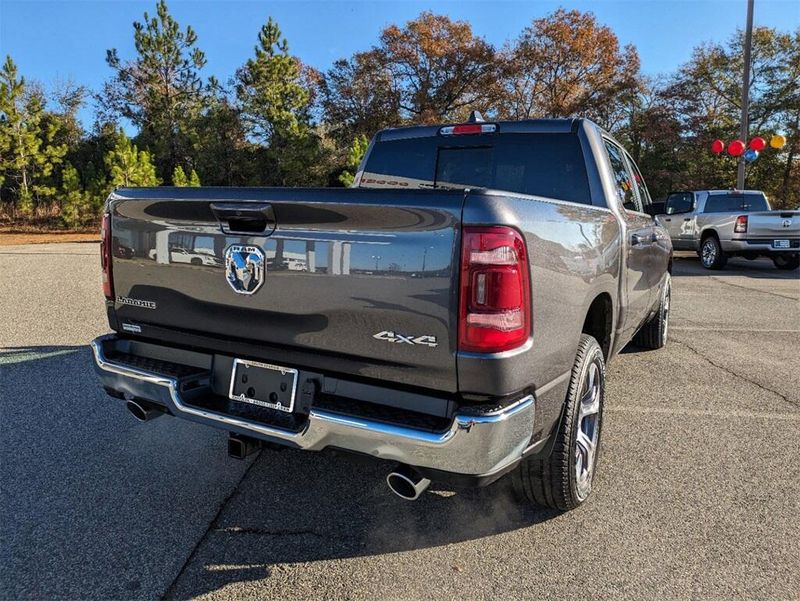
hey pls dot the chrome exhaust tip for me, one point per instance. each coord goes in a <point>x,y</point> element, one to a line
<point>240,447</point>
<point>406,483</point>
<point>142,411</point>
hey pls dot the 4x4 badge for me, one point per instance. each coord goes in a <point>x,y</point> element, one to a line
<point>390,336</point>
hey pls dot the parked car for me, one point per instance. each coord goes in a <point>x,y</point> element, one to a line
<point>719,224</point>
<point>453,315</point>
<point>178,254</point>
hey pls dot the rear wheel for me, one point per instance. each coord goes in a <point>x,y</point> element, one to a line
<point>787,261</point>
<point>564,479</point>
<point>653,334</point>
<point>711,254</point>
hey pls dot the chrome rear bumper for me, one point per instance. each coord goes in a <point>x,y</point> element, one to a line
<point>764,246</point>
<point>479,444</point>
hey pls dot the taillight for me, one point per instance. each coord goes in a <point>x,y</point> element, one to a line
<point>494,313</point>
<point>105,257</point>
<point>741,224</point>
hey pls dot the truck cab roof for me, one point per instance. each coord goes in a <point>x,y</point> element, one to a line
<point>717,192</point>
<point>503,126</point>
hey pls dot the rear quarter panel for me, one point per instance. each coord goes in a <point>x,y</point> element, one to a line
<point>719,223</point>
<point>574,253</point>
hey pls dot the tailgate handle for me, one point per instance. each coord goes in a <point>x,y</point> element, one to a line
<point>245,217</point>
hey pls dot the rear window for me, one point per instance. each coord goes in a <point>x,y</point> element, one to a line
<point>548,165</point>
<point>730,203</point>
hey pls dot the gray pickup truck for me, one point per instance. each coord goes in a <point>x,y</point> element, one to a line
<point>451,314</point>
<point>718,224</point>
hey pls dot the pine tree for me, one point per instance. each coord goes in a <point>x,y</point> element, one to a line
<point>179,177</point>
<point>161,90</point>
<point>77,208</point>
<point>28,153</point>
<point>129,166</point>
<point>274,91</point>
<point>355,153</point>
<point>180,180</point>
<point>270,89</point>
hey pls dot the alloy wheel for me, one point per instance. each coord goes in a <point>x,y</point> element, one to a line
<point>709,252</point>
<point>588,431</point>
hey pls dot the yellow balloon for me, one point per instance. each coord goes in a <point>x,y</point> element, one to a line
<point>777,141</point>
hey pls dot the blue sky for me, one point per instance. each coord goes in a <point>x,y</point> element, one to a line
<point>67,40</point>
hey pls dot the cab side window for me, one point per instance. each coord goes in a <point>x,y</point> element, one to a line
<point>679,203</point>
<point>622,177</point>
<point>641,188</point>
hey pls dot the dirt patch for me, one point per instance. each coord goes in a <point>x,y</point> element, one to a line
<point>8,239</point>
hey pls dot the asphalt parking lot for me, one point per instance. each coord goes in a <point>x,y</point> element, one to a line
<point>697,495</point>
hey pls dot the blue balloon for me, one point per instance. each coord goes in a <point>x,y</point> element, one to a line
<point>750,155</point>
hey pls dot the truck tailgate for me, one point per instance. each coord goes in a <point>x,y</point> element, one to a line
<point>773,224</point>
<point>365,280</point>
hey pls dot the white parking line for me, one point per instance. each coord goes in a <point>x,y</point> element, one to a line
<point>790,417</point>
<point>715,329</point>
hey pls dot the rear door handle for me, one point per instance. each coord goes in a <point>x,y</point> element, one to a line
<point>667,218</point>
<point>687,218</point>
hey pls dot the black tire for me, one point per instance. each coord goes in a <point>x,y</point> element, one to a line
<point>653,334</point>
<point>787,262</point>
<point>195,261</point>
<point>553,481</point>
<point>711,253</point>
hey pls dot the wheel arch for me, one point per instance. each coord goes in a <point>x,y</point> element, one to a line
<point>706,233</point>
<point>599,321</point>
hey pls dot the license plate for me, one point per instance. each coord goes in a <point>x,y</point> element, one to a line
<point>262,384</point>
<point>780,244</point>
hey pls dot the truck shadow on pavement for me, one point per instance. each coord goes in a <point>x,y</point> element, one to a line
<point>65,445</point>
<point>688,264</point>
<point>294,508</point>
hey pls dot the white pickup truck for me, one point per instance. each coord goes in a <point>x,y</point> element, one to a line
<point>718,224</point>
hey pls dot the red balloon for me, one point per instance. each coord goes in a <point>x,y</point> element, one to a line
<point>717,146</point>
<point>758,144</point>
<point>736,148</point>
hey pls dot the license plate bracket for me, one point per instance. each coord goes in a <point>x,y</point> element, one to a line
<point>263,384</point>
<point>781,244</point>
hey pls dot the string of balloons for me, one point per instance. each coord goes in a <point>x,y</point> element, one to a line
<point>751,152</point>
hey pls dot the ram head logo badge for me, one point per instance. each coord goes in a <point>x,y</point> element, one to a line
<point>245,268</point>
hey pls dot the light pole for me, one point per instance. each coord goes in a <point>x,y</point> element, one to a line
<point>743,133</point>
<point>425,256</point>
<point>377,258</point>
